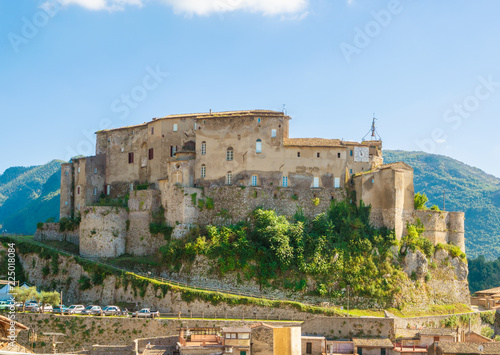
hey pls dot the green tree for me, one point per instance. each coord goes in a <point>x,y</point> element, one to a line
<point>420,201</point>
<point>44,298</point>
<point>24,294</point>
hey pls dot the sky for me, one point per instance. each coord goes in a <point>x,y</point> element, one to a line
<point>428,70</point>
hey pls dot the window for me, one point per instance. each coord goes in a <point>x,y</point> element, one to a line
<point>131,158</point>
<point>95,170</point>
<point>243,336</point>
<point>254,180</point>
<point>350,153</point>
<point>285,181</point>
<point>132,187</point>
<point>152,130</point>
<point>229,178</point>
<point>78,190</point>
<point>151,153</point>
<point>95,191</point>
<point>108,189</point>
<point>383,351</point>
<point>203,171</point>
<point>66,203</point>
<point>173,150</point>
<point>258,146</point>
<point>360,351</point>
<point>243,352</point>
<point>175,127</point>
<point>337,183</point>
<point>350,171</point>
<point>78,169</point>
<point>317,155</point>
<point>203,148</point>
<point>309,348</point>
<point>229,154</point>
<point>66,173</point>
<point>316,181</point>
<point>195,126</point>
<point>298,154</point>
<point>258,119</point>
<point>273,133</point>
<point>436,339</point>
<point>338,155</point>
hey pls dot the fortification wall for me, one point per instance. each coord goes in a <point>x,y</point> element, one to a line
<point>139,241</point>
<point>103,231</point>
<point>232,204</point>
<point>50,231</point>
<point>441,226</point>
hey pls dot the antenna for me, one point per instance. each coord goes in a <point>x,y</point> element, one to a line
<point>284,109</point>
<point>374,136</point>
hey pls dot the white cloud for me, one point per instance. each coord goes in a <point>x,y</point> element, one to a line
<point>110,5</point>
<point>201,7</point>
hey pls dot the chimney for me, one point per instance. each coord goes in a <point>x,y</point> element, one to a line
<point>210,111</point>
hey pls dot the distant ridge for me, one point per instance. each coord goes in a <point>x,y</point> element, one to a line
<point>29,195</point>
<point>468,189</point>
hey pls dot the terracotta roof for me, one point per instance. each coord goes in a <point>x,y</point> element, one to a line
<point>396,165</point>
<point>7,321</point>
<point>373,342</point>
<point>437,331</point>
<point>236,330</point>
<point>312,142</point>
<point>448,347</point>
<point>253,326</point>
<point>206,115</point>
<point>489,291</point>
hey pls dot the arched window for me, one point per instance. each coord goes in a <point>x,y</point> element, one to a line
<point>203,171</point>
<point>229,178</point>
<point>229,154</point>
<point>203,148</point>
<point>258,146</point>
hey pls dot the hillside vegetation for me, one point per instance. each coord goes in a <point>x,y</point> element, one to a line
<point>29,195</point>
<point>467,189</point>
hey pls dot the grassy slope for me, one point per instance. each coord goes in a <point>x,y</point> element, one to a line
<point>467,188</point>
<point>29,195</point>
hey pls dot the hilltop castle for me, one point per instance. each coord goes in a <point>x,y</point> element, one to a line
<point>214,168</point>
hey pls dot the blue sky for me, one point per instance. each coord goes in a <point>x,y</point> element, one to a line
<point>429,70</point>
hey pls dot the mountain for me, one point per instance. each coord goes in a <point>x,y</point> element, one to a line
<point>466,189</point>
<point>29,195</point>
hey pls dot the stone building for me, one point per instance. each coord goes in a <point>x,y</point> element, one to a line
<point>216,167</point>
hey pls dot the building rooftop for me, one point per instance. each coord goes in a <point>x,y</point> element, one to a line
<point>437,331</point>
<point>373,342</point>
<point>206,115</point>
<point>468,348</point>
<point>236,330</point>
<point>323,142</point>
<point>491,291</point>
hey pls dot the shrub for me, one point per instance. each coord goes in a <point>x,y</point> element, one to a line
<point>420,201</point>
<point>487,332</point>
<point>39,225</point>
<point>488,317</point>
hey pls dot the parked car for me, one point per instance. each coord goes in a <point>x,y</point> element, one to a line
<point>6,305</point>
<point>75,309</point>
<point>60,309</point>
<point>146,313</point>
<point>39,309</point>
<point>29,306</point>
<point>111,311</point>
<point>92,310</point>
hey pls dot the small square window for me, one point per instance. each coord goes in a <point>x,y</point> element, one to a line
<point>338,155</point>
<point>175,127</point>
<point>298,154</point>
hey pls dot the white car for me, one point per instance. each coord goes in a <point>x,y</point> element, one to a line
<point>92,310</point>
<point>46,308</point>
<point>75,309</point>
<point>146,313</point>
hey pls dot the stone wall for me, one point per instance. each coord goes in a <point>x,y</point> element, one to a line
<point>50,231</point>
<point>139,241</point>
<point>442,227</point>
<point>103,231</point>
<point>342,328</point>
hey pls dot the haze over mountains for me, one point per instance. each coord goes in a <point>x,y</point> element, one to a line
<point>31,194</point>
